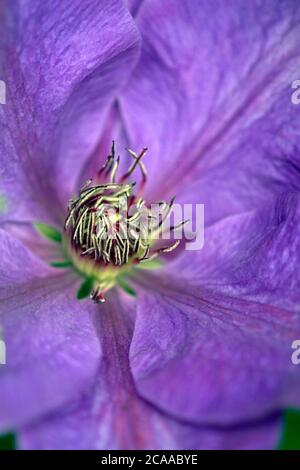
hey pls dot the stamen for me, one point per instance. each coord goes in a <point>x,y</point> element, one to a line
<point>170,248</point>
<point>114,170</point>
<point>138,161</point>
<point>110,228</point>
<point>108,161</point>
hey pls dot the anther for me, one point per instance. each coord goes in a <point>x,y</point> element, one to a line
<point>109,226</point>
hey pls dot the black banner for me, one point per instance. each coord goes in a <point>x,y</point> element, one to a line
<point>135,459</point>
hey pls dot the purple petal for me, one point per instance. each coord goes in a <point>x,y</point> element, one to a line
<point>217,345</point>
<point>264,163</point>
<point>134,6</point>
<point>63,63</point>
<point>112,416</point>
<point>211,358</point>
<point>215,77</point>
<point>79,428</point>
<point>52,350</point>
<point>254,255</point>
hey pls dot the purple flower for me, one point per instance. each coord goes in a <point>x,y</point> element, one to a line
<point>201,358</point>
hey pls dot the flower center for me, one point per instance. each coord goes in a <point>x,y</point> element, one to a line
<point>110,230</point>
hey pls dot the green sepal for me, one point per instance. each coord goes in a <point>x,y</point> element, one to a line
<point>290,439</point>
<point>126,287</point>
<point>48,231</point>
<point>8,442</point>
<point>151,264</point>
<point>61,264</point>
<point>85,289</point>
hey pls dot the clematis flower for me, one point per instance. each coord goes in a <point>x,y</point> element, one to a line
<point>201,357</point>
